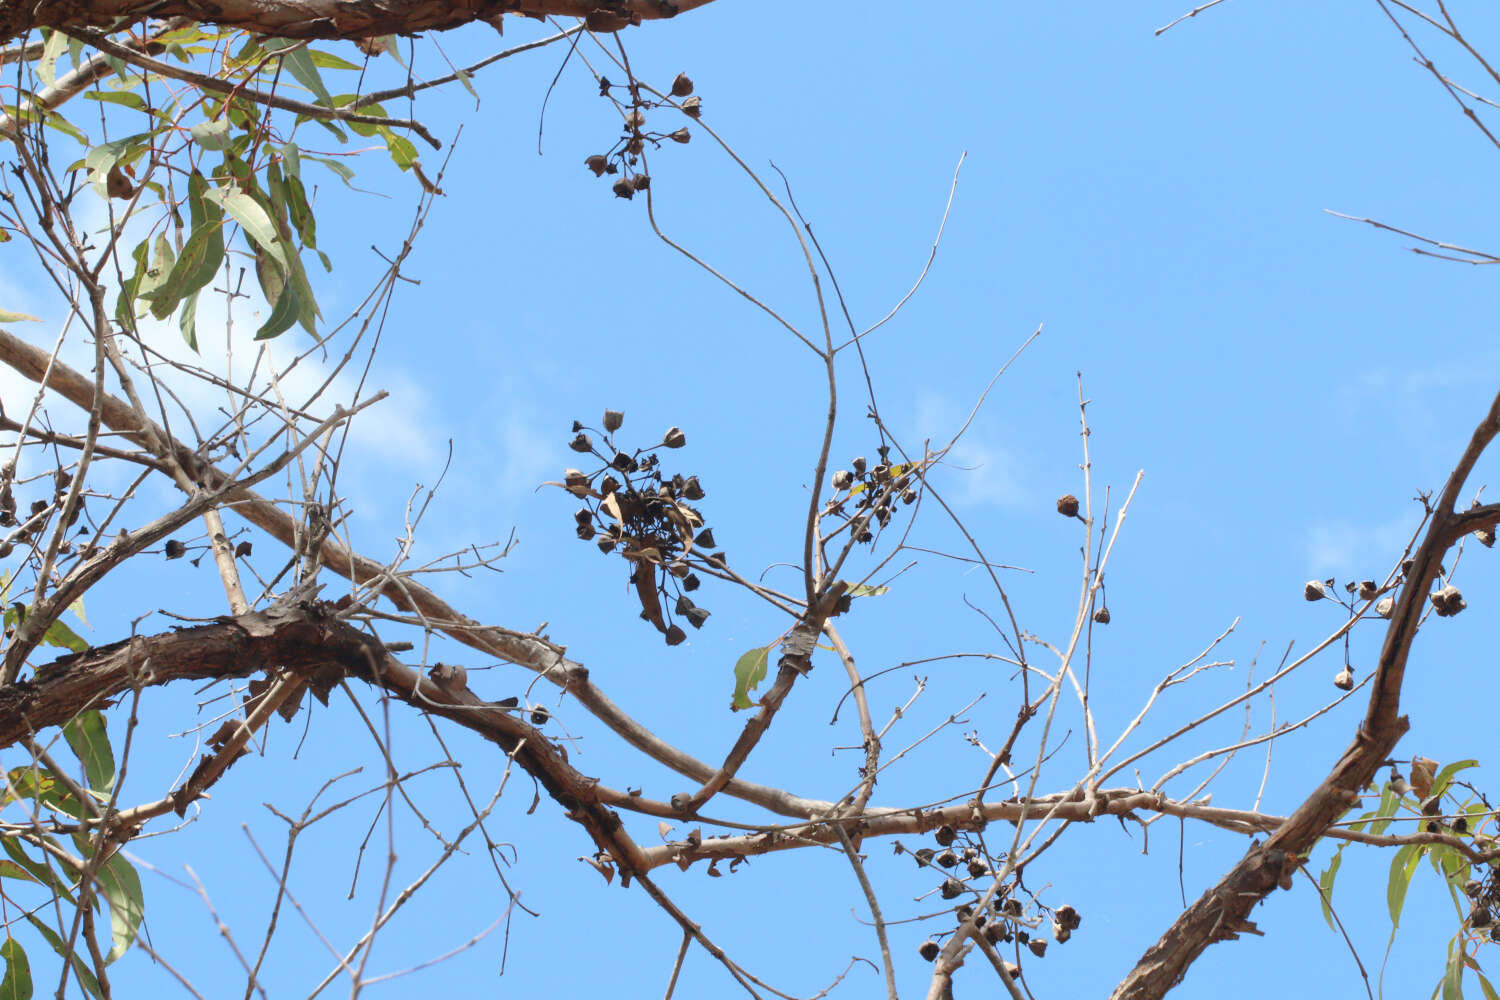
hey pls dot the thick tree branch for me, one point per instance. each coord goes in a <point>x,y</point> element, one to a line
<point>1222,912</point>
<point>534,653</point>
<point>329,18</point>
<point>304,639</point>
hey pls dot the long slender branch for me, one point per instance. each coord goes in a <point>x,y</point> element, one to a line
<point>219,86</point>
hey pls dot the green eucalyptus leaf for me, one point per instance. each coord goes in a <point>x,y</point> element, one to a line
<point>46,67</point>
<point>1402,867</point>
<point>252,219</point>
<point>58,634</point>
<point>1325,885</point>
<point>304,69</point>
<point>124,98</point>
<point>1444,777</point>
<point>213,134</point>
<point>88,737</point>
<point>17,982</point>
<point>327,60</point>
<point>865,590</point>
<point>749,671</point>
<point>84,974</point>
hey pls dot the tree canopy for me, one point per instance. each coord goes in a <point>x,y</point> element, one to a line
<point>397,527</point>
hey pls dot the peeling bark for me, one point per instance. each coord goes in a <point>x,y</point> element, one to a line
<point>330,19</point>
<point>1222,912</point>
<point>308,639</point>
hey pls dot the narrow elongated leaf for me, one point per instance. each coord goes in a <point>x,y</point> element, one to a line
<point>1444,777</point>
<point>252,219</point>
<point>60,635</point>
<point>1453,975</point>
<point>1389,801</point>
<point>85,975</point>
<point>187,321</point>
<point>327,60</point>
<point>6,316</point>
<point>1402,866</point>
<point>89,739</point>
<point>121,887</point>
<point>39,871</point>
<point>17,982</point>
<point>283,314</point>
<point>1325,884</point>
<point>304,69</point>
<point>46,67</point>
<point>865,590</point>
<point>200,258</point>
<point>1486,988</point>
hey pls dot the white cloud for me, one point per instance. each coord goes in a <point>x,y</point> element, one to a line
<point>1343,548</point>
<point>981,468</point>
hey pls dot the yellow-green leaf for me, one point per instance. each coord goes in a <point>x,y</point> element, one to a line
<point>749,671</point>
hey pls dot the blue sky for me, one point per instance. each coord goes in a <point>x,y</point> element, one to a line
<point>1287,380</point>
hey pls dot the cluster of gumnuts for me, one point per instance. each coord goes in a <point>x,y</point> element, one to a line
<point>1005,918</point>
<point>1484,902</point>
<point>634,509</point>
<point>1447,600</point>
<point>867,496</point>
<point>624,157</point>
<point>25,530</point>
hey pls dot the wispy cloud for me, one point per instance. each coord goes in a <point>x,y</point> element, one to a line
<point>1344,548</point>
<point>985,469</point>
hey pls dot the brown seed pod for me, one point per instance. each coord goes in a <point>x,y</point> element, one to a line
<point>613,419</point>
<point>929,950</point>
<point>1067,505</point>
<point>1368,590</point>
<point>1345,680</point>
<point>682,135</point>
<point>1314,590</point>
<point>945,835</point>
<point>1448,601</point>
<point>117,184</point>
<point>1102,616</point>
<point>598,164</point>
<point>692,107</point>
<point>674,438</point>
<point>623,189</point>
<point>682,85</point>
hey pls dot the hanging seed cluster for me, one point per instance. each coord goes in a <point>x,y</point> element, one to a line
<point>20,529</point>
<point>634,510</point>
<point>965,868</point>
<point>1447,601</point>
<point>624,160</point>
<point>1484,903</point>
<point>866,497</point>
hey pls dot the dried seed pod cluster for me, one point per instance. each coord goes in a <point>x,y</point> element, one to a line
<point>960,861</point>
<point>624,158</point>
<point>1484,901</point>
<point>635,510</point>
<point>28,529</point>
<point>866,497</point>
